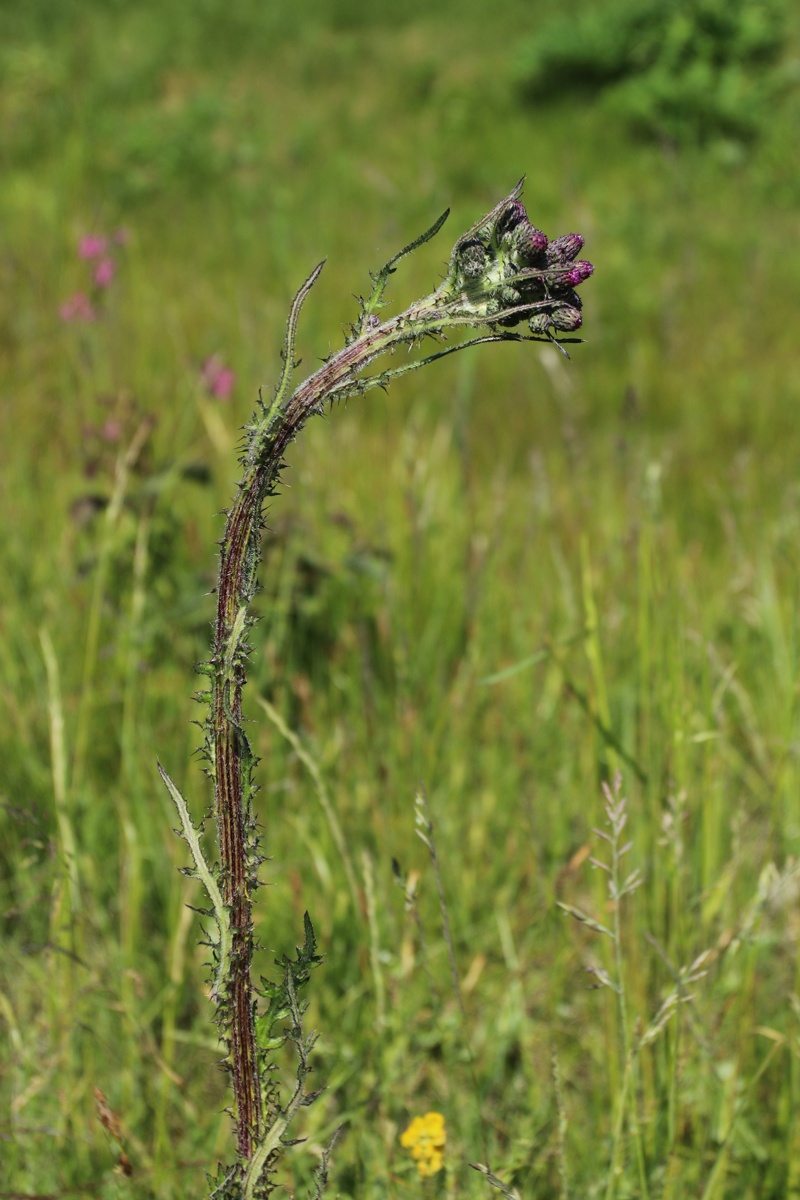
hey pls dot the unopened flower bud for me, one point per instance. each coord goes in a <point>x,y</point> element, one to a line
<point>510,297</point>
<point>511,216</point>
<point>529,241</point>
<point>472,259</point>
<point>564,249</point>
<point>582,270</point>
<point>539,322</point>
<point>566,318</point>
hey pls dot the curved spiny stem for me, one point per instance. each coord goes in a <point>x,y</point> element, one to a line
<point>501,272</point>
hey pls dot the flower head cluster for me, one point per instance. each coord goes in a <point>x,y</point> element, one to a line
<point>425,1138</point>
<point>96,250</point>
<point>508,271</point>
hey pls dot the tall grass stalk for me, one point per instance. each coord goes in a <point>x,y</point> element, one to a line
<point>424,824</point>
<point>625,1108</point>
<point>618,888</point>
<point>125,464</point>
<point>312,766</point>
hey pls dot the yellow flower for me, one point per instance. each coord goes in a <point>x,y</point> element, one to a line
<point>425,1138</point>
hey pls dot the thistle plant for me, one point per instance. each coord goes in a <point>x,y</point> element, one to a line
<point>505,281</point>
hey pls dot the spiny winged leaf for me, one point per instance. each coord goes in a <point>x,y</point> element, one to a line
<point>226,1184</point>
<point>374,303</point>
<point>278,994</point>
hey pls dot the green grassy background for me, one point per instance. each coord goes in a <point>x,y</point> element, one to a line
<point>635,514</point>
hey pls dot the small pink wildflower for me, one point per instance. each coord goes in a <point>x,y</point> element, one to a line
<point>93,245</point>
<point>77,308</point>
<point>121,237</point>
<point>111,430</point>
<point>104,272</point>
<point>217,378</point>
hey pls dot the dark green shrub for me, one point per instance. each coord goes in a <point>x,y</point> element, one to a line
<point>684,71</point>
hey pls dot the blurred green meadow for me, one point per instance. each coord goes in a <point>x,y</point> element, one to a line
<point>503,582</point>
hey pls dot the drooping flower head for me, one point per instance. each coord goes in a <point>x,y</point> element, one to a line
<point>506,271</point>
